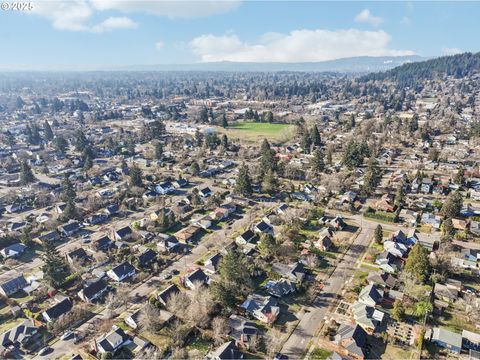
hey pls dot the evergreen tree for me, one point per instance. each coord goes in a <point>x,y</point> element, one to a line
<point>224,121</point>
<point>80,140</point>
<point>270,184</point>
<point>26,174</point>
<point>234,278</point>
<point>398,310</point>
<point>315,134</point>
<point>54,268</point>
<point>459,178</point>
<point>399,195</point>
<point>243,186</point>
<point>379,234</point>
<point>60,143</point>
<point>267,246</point>
<point>453,205</point>
<point>268,160</point>
<point>47,130</point>
<point>447,228</point>
<point>329,155</point>
<point>225,141</point>
<point>136,176</point>
<point>269,117</point>
<point>194,168</point>
<point>87,163</point>
<point>68,191</point>
<point>306,142</point>
<point>417,262</point>
<point>70,211</point>
<point>372,176</point>
<point>317,163</point>
<point>157,129</point>
<point>158,151</point>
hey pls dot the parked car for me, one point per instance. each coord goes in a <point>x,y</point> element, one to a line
<point>66,335</point>
<point>44,351</point>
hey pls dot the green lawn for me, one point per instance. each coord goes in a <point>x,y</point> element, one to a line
<point>319,354</point>
<point>251,131</point>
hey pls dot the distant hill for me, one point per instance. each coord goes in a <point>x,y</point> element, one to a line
<point>460,65</point>
<point>363,64</point>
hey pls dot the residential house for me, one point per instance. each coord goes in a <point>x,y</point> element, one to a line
<point>395,248</point>
<point>121,272</point>
<point>295,272</point>
<point>408,216</point>
<point>13,285</point>
<point>445,293</point>
<point>263,228</point>
<point>432,220</point>
<point>280,288</point>
<point>164,188</point>
<point>147,258</point>
<point>13,251</point>
<point>19,335</point>
<point>48,237</point>
<point>370,295</point>
<point>227,351</point>
<point>353,339</point>
<point>368,317</point>
<point>247,237</point>
<point>205,192</point>
<point>471,340</point>
<point>263,308</point>
<point>58,310</point>
<point>242,330</point>
<point>123,233</point>
<point>112,209</point>
<point>169,244</point>
<point>212,263</point>
<point>223,212</point>
<point>447,339</point>
<point>112,341</point>
<point>197,277</point>
<point>77,256</point>
<point>165,295</point>
<point>69,228</point>
<point>324,241</point>
<point>385,203</point>
<point>188,234</point>
<point>382,279</point>
<point>103,244</point>
<point>93,291</point>
<point>388,262</point>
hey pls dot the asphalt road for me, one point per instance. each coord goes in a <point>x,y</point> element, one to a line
<point>298,341</point>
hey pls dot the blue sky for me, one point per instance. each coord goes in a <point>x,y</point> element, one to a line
<point>126,32</point>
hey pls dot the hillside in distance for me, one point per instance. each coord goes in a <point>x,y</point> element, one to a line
<point>459,65</point>
<point>362,64</point>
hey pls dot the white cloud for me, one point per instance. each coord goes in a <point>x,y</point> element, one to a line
<point>65,15</point>
<point>451,51</point>
<point>169,8</point>
<point>365,16</point>
<point>296,46</point>
<point>159,45</point>
<point>76,15</point>
<point>113,23</point>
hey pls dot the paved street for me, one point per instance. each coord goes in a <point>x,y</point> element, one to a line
<point>297,343</point>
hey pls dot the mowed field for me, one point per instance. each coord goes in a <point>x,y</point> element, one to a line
<point>252,131</point>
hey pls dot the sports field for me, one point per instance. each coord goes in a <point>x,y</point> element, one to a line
<point>252,131</point>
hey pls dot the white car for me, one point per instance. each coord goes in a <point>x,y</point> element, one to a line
<point>44,350</point>
<point>66,335</point>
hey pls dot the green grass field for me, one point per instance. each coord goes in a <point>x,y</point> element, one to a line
<point>251,131</point>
